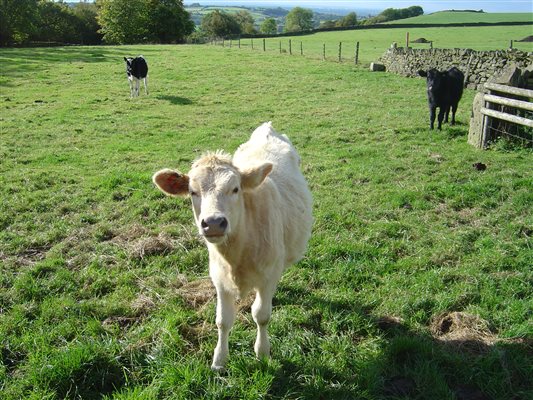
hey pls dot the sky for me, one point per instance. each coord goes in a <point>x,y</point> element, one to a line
<point>428,6</point>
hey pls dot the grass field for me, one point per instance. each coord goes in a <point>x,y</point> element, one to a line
<point>417,282</point>
<point>373,42</point>
<point>446,17</point>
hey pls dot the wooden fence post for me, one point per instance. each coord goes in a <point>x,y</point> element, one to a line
<point>252,44</point>
<point>230,43</point>
<point>356,59</point>
<point>280,47</point>
<point>264,45</point>
<point>301,48</point>
<point>407,40</point>
<point>340,51</point>
<point>324,52</point>
<point>239,43</point>
<point>290,47</point>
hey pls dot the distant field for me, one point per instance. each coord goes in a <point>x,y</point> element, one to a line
<point>373,42</point>
<point>446,17</point>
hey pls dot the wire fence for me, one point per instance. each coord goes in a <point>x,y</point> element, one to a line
<point>341,52</point>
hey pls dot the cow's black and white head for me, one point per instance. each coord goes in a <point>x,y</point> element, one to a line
<point>128,65</point>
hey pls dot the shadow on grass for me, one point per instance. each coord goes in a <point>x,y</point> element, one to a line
<point>413,364</point>
<point>175,99</point>
<point>16,62</point>
<point>455,131</point>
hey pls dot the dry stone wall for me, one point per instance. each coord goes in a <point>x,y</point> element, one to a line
<point>478,66</point>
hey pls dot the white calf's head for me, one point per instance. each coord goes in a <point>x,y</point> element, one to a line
<point>216,188</point>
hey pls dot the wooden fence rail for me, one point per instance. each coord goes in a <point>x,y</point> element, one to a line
<point>499,96</point>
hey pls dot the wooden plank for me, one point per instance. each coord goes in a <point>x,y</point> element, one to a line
<point>507,117</point>
<point>509,90</point>
<point>524,105</point>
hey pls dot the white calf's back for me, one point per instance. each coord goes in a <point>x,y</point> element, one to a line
<point>295,201</point>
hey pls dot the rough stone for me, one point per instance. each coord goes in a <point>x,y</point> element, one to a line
<point>376,67</point>
<point>478,66</point>
<point>476,122</point>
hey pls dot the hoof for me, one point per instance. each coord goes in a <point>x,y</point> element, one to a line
<point>218,368</point>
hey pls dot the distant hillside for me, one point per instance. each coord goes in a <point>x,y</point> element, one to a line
<point>444,17</point>
<point>259,14</point>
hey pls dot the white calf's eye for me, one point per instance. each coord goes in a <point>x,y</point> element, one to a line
<point>236,190</point>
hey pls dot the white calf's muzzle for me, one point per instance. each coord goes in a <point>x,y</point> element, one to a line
<point>214,227</point>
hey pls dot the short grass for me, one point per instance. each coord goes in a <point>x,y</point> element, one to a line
<point>457,17</point>
<point>373,42</point>
<point>102,278</point>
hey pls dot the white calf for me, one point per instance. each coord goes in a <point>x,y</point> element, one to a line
<point>254,213</point>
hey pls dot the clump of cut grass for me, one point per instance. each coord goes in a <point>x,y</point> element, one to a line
<point>463,330</point>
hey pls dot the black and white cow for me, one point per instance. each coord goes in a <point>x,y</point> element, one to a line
<point>445,89</point>
<point>137,69</point>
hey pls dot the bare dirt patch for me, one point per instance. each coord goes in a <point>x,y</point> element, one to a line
<point>421,40</point>
<point>138,242</point>
<point>143,304</point>
<point>200,293</point>
<point>28,257</point>
<point>526,39</point>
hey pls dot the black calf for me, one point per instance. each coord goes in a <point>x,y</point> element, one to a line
<point>444,91</point>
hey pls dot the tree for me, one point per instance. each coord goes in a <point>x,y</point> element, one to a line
<point>220,24</point>
<point>391,14</point>
<point>56,23</point>
<point>415,11</point>
<point>269,26</point>
<point>18,20</point>
<point>87,26</point>
<point>299,19</point>
<point>245,21</point>
<point>168,21</point>
<point>123,21</point>
<point>348,20</point>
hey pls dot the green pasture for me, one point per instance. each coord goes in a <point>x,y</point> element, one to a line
<point>416,284</point>
<point>374,42</point>
<point>457,17</point>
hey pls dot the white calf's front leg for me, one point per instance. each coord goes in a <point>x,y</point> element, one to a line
<point>261,312</point>
<point>145,80</point>
<point>225,320</point>
<point>137,87</point>
<point>131,86</point>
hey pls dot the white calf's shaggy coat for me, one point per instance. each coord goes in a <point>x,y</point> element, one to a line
<point>254,212</point>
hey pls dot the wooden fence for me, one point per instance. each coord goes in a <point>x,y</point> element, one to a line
<point>507,112</point>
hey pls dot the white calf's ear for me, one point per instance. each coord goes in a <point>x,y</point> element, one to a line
<point>253,177</point>
<point>171,182</point>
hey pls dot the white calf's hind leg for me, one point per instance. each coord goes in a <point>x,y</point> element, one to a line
<point>225,320</point>
<point>261,312</point>
<point>145,80</point>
